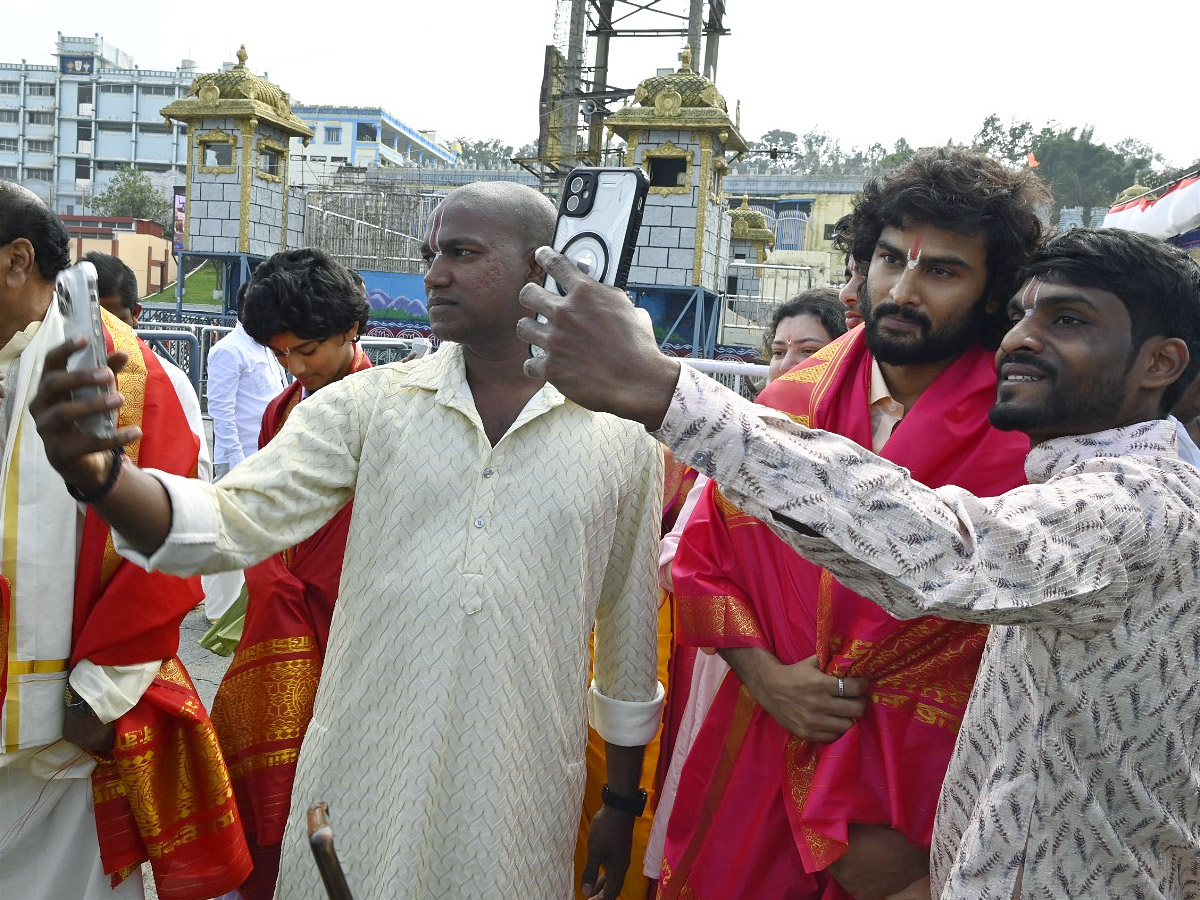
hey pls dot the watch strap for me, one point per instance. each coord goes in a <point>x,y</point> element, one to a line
<point>634,806</point>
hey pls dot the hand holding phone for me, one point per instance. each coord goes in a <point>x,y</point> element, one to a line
<point>599,217</point>
<point>78,300</point>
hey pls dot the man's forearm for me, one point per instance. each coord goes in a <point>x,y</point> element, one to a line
<point>138,507</point>
<point>750,665</point>
<point>624,768</point>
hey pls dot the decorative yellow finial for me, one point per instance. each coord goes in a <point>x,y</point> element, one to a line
<point>686,58</point>
<point>745,199</point>
<point>242,56</point>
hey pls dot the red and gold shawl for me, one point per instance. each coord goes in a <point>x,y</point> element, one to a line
<point>751,791</point>
<point>163,793</point>
<point>265,701</point>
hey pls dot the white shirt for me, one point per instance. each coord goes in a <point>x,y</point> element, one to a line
<point>243,377</point>
<point>449,727</point>
<point>1077,769</point>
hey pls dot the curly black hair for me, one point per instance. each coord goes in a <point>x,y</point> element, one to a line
<point>24,215</point>
<point>1158,283</point>
<point>964,192</point>
<point>306,292</point>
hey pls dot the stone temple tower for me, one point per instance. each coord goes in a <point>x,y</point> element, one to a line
<point>679,131</point>
<point>238,206</point>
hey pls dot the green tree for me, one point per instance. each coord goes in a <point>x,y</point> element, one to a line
<point>1080,172</point>
<point>1012,142</point>
<point>491,153</point>
<point>902,152</point>
<point>776,137</point>
<point>131,194</point>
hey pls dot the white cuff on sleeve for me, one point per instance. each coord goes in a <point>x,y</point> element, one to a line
<point>194,528</point>
<point>112,691</point>
<point>626,723</point>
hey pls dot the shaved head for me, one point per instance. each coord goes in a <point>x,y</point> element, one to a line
<point>522,213</point>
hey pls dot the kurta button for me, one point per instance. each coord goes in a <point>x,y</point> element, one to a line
<point>487,473</point>
<point>479,522</point>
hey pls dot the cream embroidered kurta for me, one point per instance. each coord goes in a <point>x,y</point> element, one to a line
<point>449,728</point>
<point>1077,769</point>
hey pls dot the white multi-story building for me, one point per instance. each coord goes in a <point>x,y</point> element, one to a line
<point>66,129</point>
<point>360,136</point>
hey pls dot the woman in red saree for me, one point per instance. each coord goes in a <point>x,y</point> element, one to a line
<point>309,311</point>
<point>761,813</point>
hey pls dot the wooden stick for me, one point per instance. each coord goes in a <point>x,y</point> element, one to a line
<point>320,838</point>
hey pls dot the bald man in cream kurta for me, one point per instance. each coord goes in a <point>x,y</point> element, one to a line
<point>449,729</point>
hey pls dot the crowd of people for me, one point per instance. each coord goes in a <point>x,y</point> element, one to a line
<point>914,624</point>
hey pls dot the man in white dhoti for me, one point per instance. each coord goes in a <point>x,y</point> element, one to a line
<point>87,637</point>
<point>493,524</point>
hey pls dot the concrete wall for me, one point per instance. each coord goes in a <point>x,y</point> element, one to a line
<point>149,257</point>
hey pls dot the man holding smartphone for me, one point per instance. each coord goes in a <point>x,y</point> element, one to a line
<point>1075,773</point>
<point>95,711</point>
<point>448,729</point>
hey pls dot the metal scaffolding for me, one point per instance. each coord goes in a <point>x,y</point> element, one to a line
<point>574,98</point>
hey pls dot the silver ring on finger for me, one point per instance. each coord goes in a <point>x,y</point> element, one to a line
<point>841,687</point>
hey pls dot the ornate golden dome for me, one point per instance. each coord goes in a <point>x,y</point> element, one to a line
<point>749,224</point>
<point>238,93</point>
<point>1136,190</point>
<point>681,89</point>
<point>683,101</point>
<point>238,83</point>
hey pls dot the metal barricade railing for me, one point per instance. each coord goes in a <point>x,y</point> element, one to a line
<point>180,346</point>
<point>743,378</point>
<point>385,350</point>
<point>208,335</point>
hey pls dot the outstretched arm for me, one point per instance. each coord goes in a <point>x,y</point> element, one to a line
<point>137,505</point>
<point>1046,554</point>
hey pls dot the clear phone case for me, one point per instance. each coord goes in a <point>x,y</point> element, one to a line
<point>598,221</point>
<point>79,302</point>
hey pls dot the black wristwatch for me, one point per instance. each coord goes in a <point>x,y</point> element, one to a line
<point>76,704</point>
<point>635,805</point>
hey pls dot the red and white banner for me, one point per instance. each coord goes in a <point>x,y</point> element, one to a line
<point>1173,213</point>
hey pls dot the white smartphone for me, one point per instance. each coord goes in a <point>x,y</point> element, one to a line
<point>79,303</point>
<point>599,217</point>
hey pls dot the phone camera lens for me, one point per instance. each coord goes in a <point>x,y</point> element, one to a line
<point>572,203</point>
<point>576,185</point>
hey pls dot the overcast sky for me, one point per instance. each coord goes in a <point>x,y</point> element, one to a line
<point>927,71</point>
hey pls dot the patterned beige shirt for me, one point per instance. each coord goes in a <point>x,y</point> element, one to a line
<point>449,729</point>
<point>1077,770</point>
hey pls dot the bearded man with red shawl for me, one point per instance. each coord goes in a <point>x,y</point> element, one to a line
<point>108,756</point>
<point>817,770</point>
<point>309,310</point>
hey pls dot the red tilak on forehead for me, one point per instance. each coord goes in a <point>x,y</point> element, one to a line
<point>914,253</point>
<point>1029,299</point>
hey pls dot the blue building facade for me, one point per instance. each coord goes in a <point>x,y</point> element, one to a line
<point>67,128</point>
<point>361,136</point>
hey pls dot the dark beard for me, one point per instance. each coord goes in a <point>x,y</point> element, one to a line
<point>1066,411</point>
<point>948,342</point>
